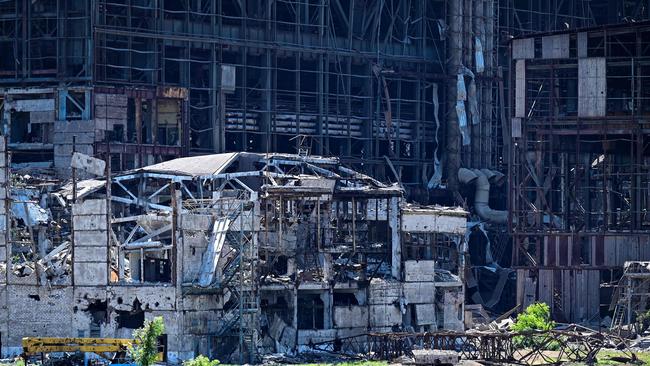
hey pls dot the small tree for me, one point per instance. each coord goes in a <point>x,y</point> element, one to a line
<point>145,348</point>
<point>536,317</point>
<point>200,360</point>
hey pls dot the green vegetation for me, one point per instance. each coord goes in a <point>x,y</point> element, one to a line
<point>642,321</point>
<point>145,349</point>
<point>612,357</point>
<point>349,363</point>
<point>536,317</point>
<point>201,360</point>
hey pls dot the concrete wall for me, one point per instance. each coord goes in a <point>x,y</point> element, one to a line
<point>90,253</point>
<point>83,133</point>
<point>431,221</point>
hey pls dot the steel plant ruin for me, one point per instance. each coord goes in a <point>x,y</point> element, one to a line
<point>384,179</point>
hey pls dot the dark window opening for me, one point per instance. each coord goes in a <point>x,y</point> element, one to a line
<point>280,308</point>
<point>345,299</point>
<point>116,134</point>
<point>431,246</point>
<point>98,312</point>
<point>162,347</point>
<point>311,312</point>
<point>157,270</point>
<point>280,265</point>
<point>133,319</point>
<point>20,128</point>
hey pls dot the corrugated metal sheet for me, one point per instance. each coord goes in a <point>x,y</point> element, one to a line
<point>194,166</point>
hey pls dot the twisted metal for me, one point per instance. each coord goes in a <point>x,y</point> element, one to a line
<point>571,344</point>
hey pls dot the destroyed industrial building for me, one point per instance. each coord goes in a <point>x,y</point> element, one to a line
<point>288,250</point>
<point>292,175</point>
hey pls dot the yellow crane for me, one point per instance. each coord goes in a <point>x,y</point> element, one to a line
<point>102,346</point>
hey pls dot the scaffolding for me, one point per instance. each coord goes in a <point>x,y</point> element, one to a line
<point>311,68</point>
<point>238,281</point>
<point>579,168</point>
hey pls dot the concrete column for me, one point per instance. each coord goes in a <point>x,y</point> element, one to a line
<point>90,224</point>
<point>5,251</point>
<point>138,129</point>
<point>328,308</point>
<point>396,248</point>
<point>43,243</point>
<point>454,60</point>
<point>6,118</point>
<point>327,265</point>
<point>294,301</point>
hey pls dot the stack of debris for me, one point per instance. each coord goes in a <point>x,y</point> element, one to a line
<point>40,239</point>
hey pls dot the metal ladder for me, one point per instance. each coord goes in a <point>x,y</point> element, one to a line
<point>240,282</point>
<point>620,318</point>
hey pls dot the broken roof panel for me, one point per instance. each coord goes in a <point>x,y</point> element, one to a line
<point>194,166</point>
<point>84,188</point>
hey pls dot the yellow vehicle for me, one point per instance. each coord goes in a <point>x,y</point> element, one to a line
<point>111,349</point>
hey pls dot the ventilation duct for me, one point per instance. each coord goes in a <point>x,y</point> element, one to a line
<point>482,195</point>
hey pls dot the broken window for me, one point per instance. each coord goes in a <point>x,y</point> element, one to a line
<point>277,265</point>
<point>430,246</point>
<point>131,319</point>
<point>345,299</point>
<point>157,270</point>
<point>169,118</point>
<point>152,265</point>
<point>311,312</point>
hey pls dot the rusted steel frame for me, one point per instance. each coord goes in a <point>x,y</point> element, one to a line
<point>575,344</point>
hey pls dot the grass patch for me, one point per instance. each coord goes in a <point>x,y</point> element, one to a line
<point>604,357</point>
<point>348,363</point>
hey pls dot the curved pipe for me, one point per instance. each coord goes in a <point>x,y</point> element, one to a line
<point>499,178</point>
<point>489,174</point>
<point>466,176</point>
<point>482,195</point>
<point>482,199</point>
<point>494,176</point>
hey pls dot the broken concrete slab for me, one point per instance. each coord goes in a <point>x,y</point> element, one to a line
<point>88,164</point>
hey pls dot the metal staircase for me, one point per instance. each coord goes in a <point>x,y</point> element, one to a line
<point>239,284</point>
<point>631,294</point>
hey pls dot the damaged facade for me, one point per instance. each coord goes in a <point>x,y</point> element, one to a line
<point>137,126</point>
<point>251,253</point>
<point>579,168</point>
<point>111,213</point>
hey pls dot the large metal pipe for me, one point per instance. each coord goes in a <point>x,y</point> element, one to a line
<point>494,176</point>
<point>454,62</point>
<point>466,176</point>
<point>482,195</point>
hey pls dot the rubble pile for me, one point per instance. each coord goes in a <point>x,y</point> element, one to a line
<point>39,232</point>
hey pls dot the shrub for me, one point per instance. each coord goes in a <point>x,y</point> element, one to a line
<point>642,321</point>
<point>201,360</point>
<point>536,317</point>
<point>144,351</point>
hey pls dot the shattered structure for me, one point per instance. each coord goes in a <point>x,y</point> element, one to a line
<point>161,79</point>
<point>580,197</point>
<point>273,175</point>
<point>242,252</point>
